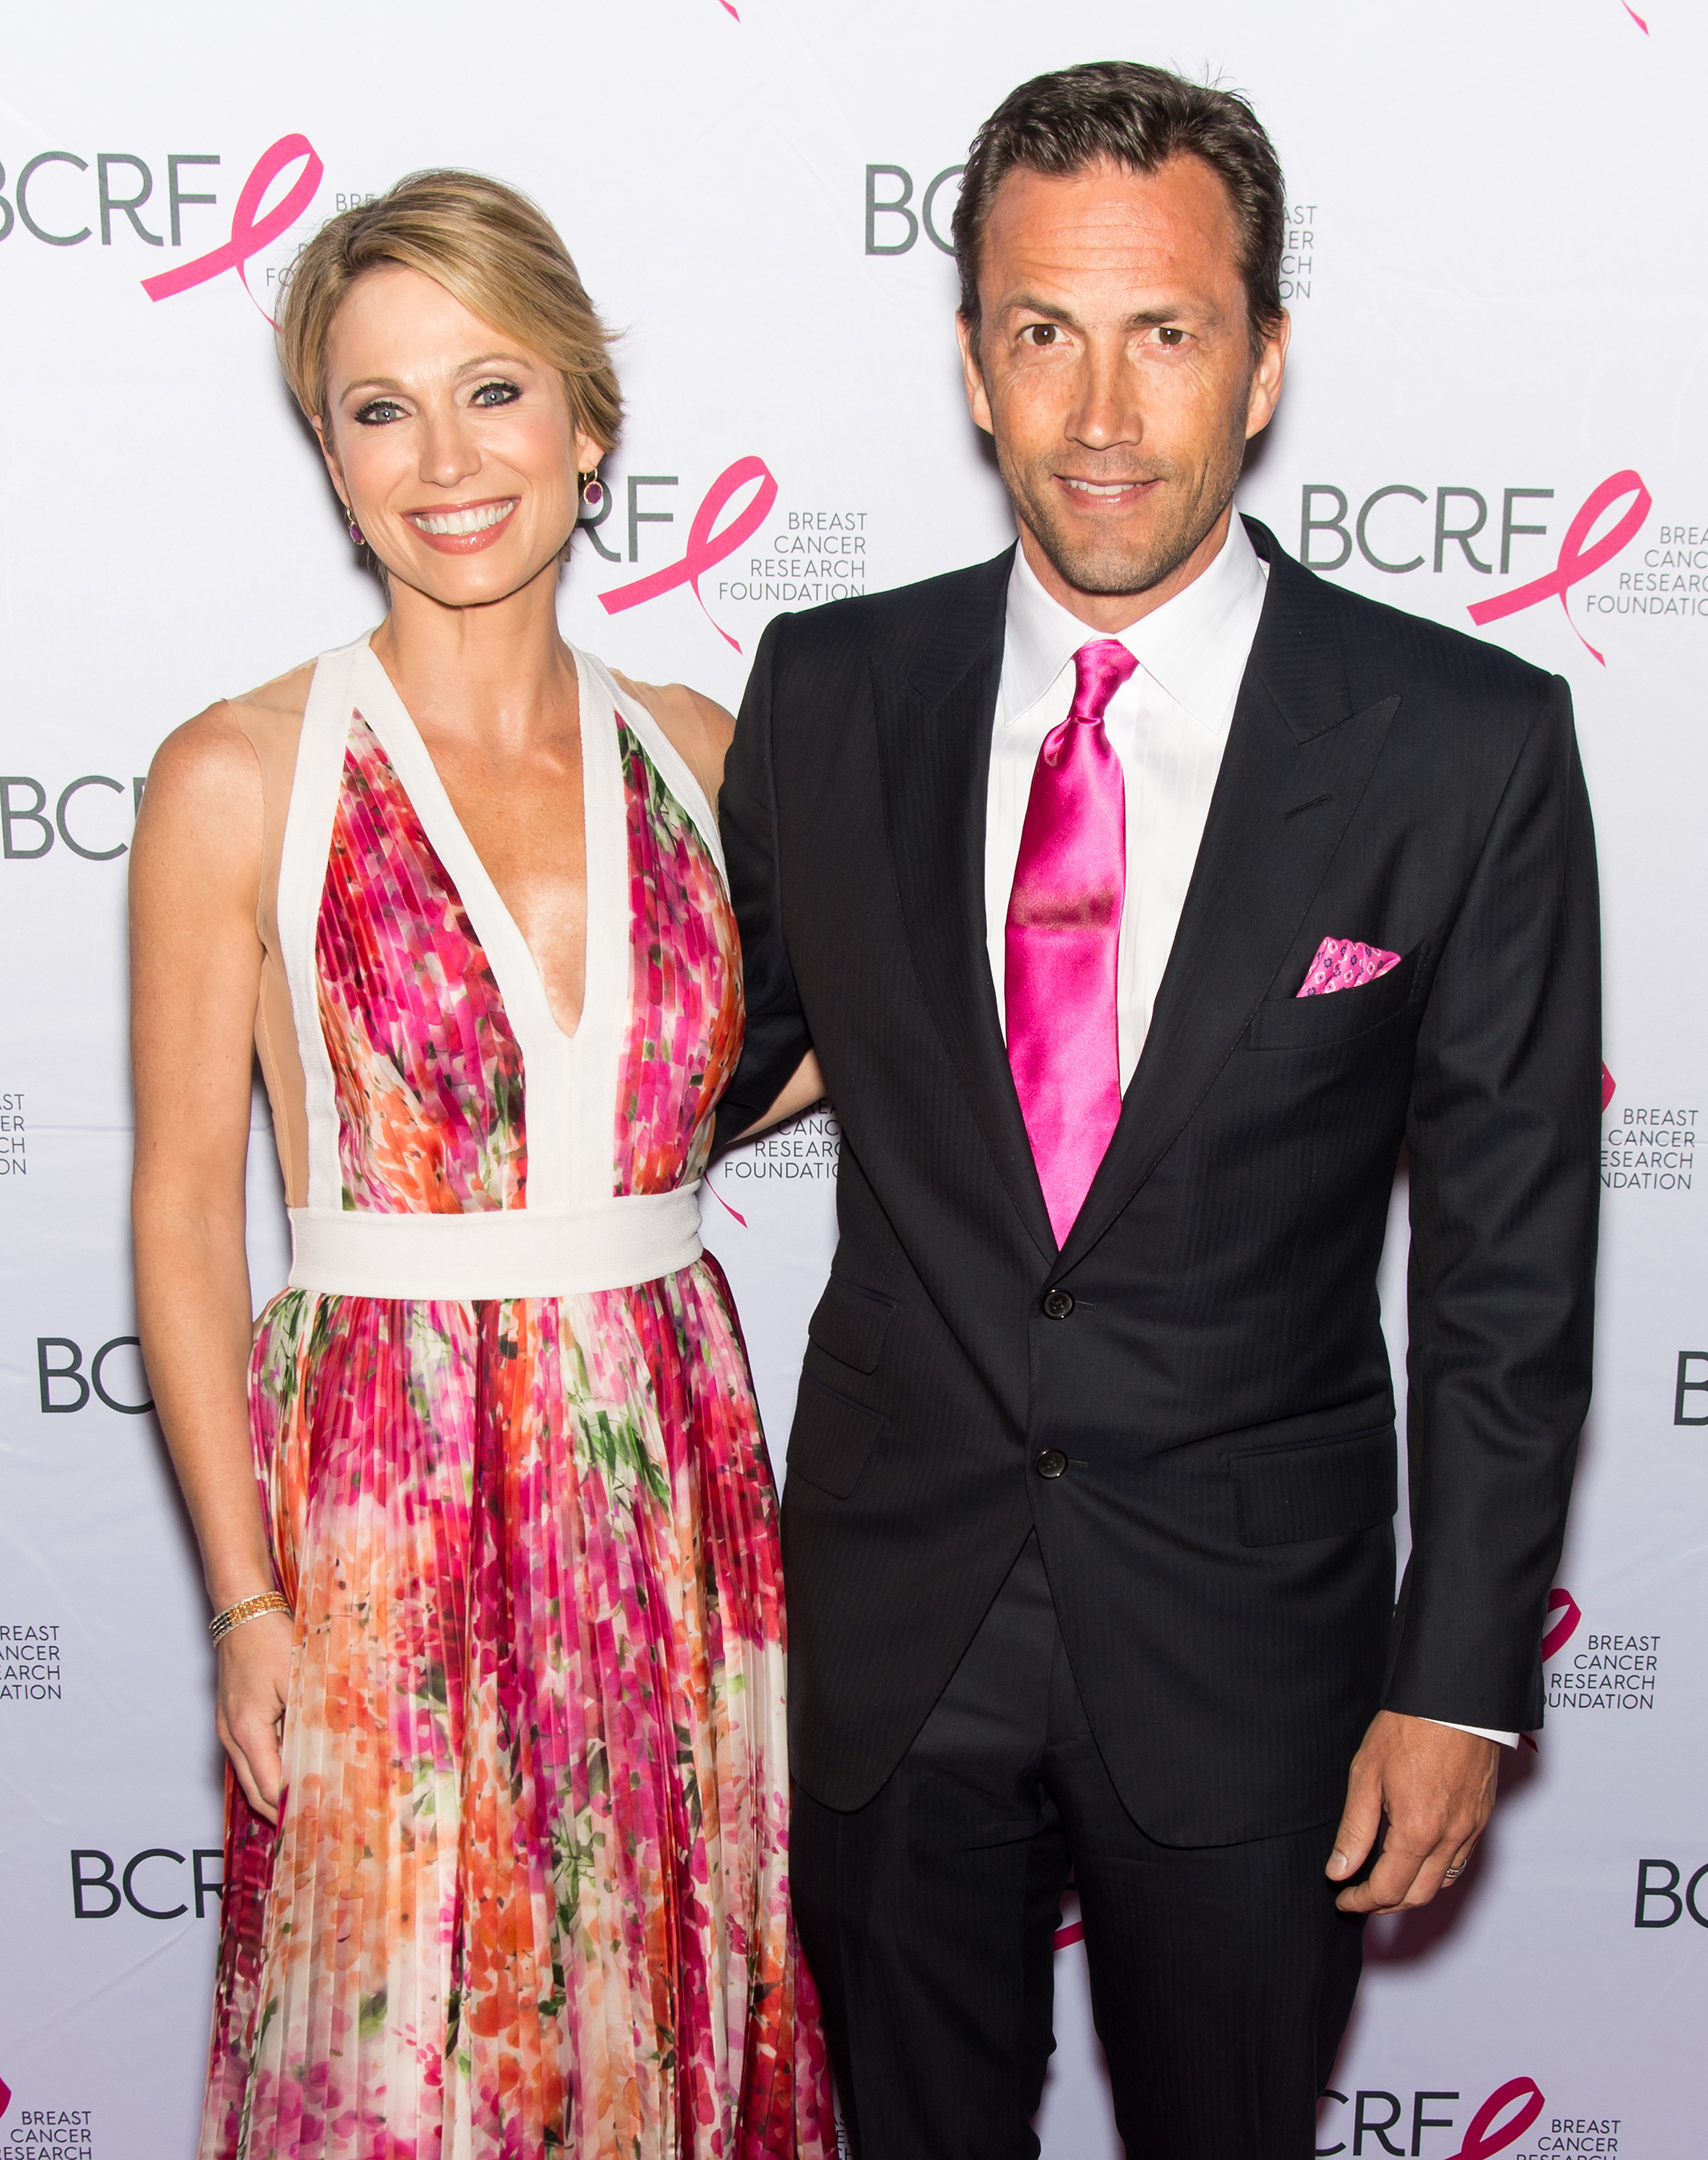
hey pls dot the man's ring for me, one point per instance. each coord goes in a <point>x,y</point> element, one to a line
<point>1454,1872</point>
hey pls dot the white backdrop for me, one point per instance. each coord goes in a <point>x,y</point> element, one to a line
<point>1500,332</point>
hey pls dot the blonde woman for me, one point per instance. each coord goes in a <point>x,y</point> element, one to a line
<point>485,1510</point>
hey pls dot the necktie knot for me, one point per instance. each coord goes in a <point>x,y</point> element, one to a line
<point>1100,668</point>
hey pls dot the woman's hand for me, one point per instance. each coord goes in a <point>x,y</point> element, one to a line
<point>255,1672</point>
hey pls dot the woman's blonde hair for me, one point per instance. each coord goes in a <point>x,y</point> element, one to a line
<point>491,248</point>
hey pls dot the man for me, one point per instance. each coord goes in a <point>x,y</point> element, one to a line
<point>1141,896</point>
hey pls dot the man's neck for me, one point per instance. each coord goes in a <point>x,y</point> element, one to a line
<point>1112,613</point>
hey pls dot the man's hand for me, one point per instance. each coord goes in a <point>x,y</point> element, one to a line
<point>1435,1785</point>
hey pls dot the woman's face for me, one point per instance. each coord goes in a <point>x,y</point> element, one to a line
<point>450,444</point>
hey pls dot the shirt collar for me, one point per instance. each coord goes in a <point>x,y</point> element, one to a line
<point>1195,646</point>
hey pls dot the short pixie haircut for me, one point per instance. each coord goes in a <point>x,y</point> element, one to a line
<point>1140,117</point>
<point>491,248</point>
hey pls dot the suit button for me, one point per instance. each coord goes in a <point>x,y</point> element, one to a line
<point>1051,1463</point>
<point>1058,1305</point>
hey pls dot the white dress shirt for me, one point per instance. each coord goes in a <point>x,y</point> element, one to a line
<point>1168,724</point>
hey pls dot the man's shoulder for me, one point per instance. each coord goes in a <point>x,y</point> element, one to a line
<point>899,625</point>
<point>1386,650</point>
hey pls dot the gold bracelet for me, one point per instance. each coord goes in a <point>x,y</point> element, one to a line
<point>247,1609</point>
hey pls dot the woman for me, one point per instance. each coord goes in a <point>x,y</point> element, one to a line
<point>486,1513</point>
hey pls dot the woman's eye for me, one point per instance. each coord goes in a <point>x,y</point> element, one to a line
<point>496,393</point>
<point>379,412</point>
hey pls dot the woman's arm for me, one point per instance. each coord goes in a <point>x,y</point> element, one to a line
<point>702,731</point>
<point>195,976</point>
<point>805,1088</point>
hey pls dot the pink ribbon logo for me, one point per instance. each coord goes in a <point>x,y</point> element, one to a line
<point>1478,2144</point>
<point>706,547</point>
<point>723,1202</point>
<point>1628,8</point>
<point>1562,1630</point>
<point>1576,562</point>
<point>5,2095</point>
<point>250,234</point>
<point>1608,1084</point>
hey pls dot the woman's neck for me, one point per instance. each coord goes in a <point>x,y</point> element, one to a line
<point>499,672</point>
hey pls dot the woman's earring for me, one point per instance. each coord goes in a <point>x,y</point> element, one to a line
<point>592,494</point>
<point>355,533</point>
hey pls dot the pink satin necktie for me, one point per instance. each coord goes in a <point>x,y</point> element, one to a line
<point>1063,935</point>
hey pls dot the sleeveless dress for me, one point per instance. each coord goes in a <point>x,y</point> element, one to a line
<point>528,1895</point>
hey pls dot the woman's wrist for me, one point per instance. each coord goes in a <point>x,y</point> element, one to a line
<point>230,1617</point>
<point>232,1581</point>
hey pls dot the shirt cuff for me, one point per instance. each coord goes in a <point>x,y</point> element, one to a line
<point>1482,1733</point>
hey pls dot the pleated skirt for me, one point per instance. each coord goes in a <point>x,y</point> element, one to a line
<point>528,1895</point>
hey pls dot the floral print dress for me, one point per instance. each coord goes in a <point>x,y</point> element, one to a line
<point>528,1895</point>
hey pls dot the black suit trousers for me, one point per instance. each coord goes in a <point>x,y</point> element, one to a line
<point>1222,1975</point>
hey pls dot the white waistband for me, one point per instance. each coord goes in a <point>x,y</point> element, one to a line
<point>509,1252</point>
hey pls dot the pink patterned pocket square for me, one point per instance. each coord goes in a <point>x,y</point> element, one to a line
<point>1342,965</point>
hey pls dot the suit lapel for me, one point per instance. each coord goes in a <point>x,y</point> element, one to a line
<point>934,723</point>
<point>1296,763</point>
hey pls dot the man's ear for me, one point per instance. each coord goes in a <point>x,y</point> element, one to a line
<point>1267,378</point>
<point>972,374</point>
<point>331,458</point>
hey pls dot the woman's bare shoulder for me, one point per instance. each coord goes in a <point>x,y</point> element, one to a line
<point>216,758</point>
<point>699,729</point>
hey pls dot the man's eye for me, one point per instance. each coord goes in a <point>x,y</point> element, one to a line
<point>496,393</point>
<point>379,412</point>
<point>1041,333</point>
<point>1168,334</point>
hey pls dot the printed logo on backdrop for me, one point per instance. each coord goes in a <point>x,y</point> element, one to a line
<point>82,821</point>
<point>53,200</point>
<point>1646,1147</point>
<point>807,556</point>
<point>1690,1388</point>
<point>1665,1895</point>
<point>1399,528</point>
<point>113,1376</point>
<point>1398,2122</point>
<point>807,1149</point>
<point>30,1668</point>
<point>1299,252</point>
<point>14,1134</point>
<point>890,198</point>
<point>158,1883</point>
<point>46,2133</point>
<point>1596,1667</point>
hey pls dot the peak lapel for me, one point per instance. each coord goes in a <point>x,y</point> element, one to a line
<point>1294,746</point>
<point>934,731</point>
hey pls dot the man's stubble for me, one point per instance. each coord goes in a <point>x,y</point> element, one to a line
<point>1188,503</point>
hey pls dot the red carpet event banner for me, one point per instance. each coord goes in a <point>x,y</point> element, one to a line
<point>1492,418</point>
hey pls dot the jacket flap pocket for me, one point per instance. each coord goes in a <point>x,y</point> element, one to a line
<point>1334,1015</point>
<point>849,1323</point>
<point>1325,1488</point>
<point>832,1438</point>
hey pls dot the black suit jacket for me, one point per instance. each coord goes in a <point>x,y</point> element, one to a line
<point>1221,1545</point>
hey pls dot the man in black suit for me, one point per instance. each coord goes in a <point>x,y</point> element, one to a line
<point>1089,1515</point>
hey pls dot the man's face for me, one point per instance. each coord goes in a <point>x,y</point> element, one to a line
<point>1114,368</point>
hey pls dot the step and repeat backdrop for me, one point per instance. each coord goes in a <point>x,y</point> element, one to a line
<point>1492,419</point>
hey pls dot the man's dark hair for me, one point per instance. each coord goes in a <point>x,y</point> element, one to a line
<point>1140,117</point>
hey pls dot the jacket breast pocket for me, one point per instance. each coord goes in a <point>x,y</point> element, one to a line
<point>1333,1016</point>
<point>850,1324</point>
<point>1318,1489</point>
<point>830,1438</point>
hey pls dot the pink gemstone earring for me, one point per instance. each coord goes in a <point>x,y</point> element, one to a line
<point>592,493</point>
<point>355,533</point>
